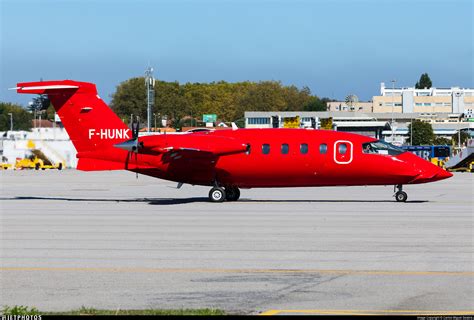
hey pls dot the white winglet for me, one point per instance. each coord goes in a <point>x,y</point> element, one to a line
<point>49,87</point>
<point>234,126</point>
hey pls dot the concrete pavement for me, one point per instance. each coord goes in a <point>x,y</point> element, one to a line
<point>107,240</point>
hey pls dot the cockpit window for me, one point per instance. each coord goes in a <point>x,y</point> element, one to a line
<point>381,147</point>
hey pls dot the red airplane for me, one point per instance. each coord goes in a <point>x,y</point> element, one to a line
<point>229,159</point>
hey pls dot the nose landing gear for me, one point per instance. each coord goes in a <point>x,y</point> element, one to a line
<point>400,195</point>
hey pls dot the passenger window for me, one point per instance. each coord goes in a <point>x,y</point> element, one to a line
<point>265,148</point>
<point>323,148</point>
<point>285,148</point>
<point>342,148</point>
<point>304,148</point>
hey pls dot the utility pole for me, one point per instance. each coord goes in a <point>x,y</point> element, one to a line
<point>150,94</point>
<point>11,121</point>
<point>459,139</point>
<point>393,105</point>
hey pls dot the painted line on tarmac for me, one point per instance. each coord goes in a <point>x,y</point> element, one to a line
<point>369,312</point>
<point>197,270</point>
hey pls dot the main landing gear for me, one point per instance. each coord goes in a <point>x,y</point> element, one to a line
<point>400,195</point>
<point>218,194</point>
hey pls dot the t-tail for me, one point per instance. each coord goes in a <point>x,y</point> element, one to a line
<point>92,126</point>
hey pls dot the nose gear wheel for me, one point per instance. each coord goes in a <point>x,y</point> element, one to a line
<point>400,195</point>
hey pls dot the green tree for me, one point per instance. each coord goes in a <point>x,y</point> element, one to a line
<point>21,117</point>
<point>130,98</point>
<point>441,141</point>
<point>49,112</point>
<point>296,99</point>
<point>170,101</point>
<point>228,101</point>
<point>424,82</point>
<point>464,137</point>
<point>316,104</point>
<point>421,133</point>
<point>264,96</point>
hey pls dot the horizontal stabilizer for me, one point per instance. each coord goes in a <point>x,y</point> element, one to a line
<point>55,86</point>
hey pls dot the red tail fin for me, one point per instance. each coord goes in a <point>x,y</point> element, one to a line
<point>90,123</point>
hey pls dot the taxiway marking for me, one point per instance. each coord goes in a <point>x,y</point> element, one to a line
<point>370,312</point>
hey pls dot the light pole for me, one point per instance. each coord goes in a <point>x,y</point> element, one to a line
<point>11,121</point>
<point>154,115</point>
<point>34,113</point>
<point>150,94</point>
<point>393,105</point>
<point>459,139</point>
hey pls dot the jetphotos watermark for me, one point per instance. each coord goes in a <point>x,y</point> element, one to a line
<point>21,317</point>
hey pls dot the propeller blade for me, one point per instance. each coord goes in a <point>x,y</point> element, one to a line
<point>135,129</point>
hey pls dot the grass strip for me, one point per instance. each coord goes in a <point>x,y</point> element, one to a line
<point>23,310</point>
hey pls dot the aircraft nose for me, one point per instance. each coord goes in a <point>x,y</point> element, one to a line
<point>443,174</point>
<point>429,173</point>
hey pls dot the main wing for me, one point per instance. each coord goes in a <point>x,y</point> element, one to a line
<point>199,143</point>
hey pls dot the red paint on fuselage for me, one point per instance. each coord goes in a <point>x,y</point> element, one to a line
<point>294,169</point>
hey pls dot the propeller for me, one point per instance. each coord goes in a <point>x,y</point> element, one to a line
<point>133,146</point>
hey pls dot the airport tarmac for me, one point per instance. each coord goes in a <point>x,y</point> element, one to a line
<point>109,240</point>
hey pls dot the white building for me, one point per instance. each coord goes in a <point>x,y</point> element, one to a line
<point>53,142</point>
<point>434,100</point>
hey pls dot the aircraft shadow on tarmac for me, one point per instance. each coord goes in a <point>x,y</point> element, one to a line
<point>169,201</point>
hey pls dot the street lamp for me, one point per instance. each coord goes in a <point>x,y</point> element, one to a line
<point>11,121</point>
<point>393,105</point>
<point>154,115</point>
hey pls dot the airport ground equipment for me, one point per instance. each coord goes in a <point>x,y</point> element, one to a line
<point>463,160</point>
<point>37,160</point>
<point>5,166</point>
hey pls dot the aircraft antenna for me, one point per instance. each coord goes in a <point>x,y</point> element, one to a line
<point>150,94</point>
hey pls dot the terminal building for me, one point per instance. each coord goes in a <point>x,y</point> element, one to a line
<point>377,125</point>
<point>388,115</point>
<point>452,100</point>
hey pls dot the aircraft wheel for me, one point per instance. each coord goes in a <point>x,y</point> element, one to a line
<point>37,166</point>
<point>217,194</point>
<point>401,196</point>
<point>232,194</point>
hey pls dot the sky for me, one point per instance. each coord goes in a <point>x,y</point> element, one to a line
<point>335,48</point>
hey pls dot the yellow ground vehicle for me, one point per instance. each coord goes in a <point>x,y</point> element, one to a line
<point>31,162</point>
<point>469,167</point>
<point>5,166</point>
<point>37,160</point>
